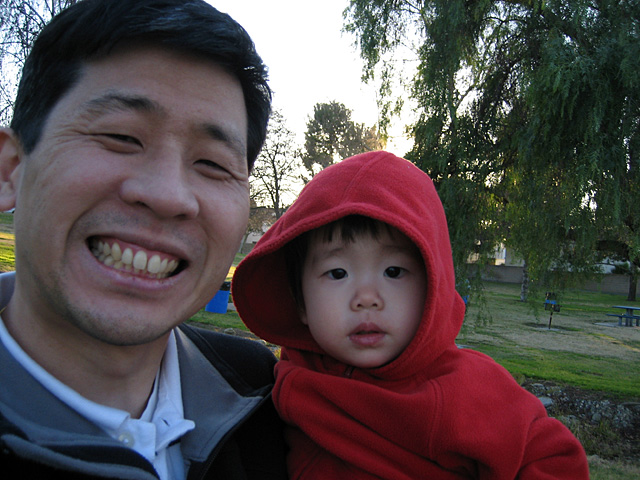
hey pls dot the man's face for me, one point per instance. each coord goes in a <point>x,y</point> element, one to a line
<point>364,299</point>
<point>133,204</point>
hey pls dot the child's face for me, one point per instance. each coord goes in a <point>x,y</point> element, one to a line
<point>364,299</point>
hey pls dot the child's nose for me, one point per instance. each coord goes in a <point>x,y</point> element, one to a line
<point>367,297</point>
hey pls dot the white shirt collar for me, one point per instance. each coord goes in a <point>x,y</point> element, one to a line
<point>161,423</point>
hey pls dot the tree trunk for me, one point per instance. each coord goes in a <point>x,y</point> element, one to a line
<point>633,283</point>
<point>245,237</point>
<point>524,288</point>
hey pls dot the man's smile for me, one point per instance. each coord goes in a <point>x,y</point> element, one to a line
<point>133,259</point>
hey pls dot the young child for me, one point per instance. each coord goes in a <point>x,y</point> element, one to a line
<point>356,283</point>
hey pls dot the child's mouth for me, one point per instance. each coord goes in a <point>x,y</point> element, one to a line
<point>367,335</point>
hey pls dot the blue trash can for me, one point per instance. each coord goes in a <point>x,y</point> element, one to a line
<point>220,302</point>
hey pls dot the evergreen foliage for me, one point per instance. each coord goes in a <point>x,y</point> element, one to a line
<point>332,136</point>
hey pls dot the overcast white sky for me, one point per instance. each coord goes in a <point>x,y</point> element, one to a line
<point>310,60</point>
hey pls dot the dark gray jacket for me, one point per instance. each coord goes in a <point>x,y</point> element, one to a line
<point>226,389</point>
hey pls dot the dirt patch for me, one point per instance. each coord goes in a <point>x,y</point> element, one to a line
<point>593,334</point>
<point>606,340</point>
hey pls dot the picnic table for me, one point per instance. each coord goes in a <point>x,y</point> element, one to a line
<point>629,315</point>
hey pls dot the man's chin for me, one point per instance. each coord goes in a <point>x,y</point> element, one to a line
<point>126,336</point>
<point>111,326</point>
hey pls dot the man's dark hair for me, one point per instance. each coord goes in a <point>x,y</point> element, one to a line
<point>348,229</point>
<point>90,29</point>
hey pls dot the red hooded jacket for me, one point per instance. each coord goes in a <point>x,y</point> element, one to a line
<point>436,411</point>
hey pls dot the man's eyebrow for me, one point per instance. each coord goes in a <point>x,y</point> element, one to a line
<point>216,132</point>
<point>112,101</point>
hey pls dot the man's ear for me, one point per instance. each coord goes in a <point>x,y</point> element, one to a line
<point>10,168</point>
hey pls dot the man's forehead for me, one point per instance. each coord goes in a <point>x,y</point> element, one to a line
<point>100,96</point>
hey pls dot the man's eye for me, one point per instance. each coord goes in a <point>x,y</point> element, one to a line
<point>124,138</point>
<point>120,143</point>
<point>211,167</point>
<point>337,273</point>
<point>393,272</point>
<point>210,164</point>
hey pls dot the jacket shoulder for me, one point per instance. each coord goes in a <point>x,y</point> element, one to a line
<point>241,361</point>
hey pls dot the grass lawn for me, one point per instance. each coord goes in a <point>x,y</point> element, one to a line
<point>222,320</point>
<point>6,218</point>
<point>7,259</point>
<point>583,347</point>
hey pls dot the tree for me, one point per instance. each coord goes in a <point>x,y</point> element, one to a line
<point>277,167</point>
<point>260,218</point>
<point>529,118</point>
<point>20,23</point>
<point>332,136</point>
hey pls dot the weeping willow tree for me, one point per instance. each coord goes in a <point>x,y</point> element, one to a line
<point>527,122</point>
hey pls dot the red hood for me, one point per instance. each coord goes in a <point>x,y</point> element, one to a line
<point>378,185</point>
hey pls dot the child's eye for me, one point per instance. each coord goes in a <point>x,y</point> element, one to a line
<point>337,273</point>
<point>394,272</point>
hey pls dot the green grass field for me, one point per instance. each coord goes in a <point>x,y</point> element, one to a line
<point>581,349</point>
<point>7,259</point>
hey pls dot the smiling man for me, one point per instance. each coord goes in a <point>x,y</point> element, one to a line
<point>135,128</point>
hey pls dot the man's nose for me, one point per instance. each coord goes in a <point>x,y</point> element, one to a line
<point>161,183</point>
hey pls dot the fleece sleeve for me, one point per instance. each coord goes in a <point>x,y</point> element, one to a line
<point>506,432</point>
<point>553,453</point>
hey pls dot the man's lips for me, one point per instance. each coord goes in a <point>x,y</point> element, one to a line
<point>367,335</point>
<point>130,258</point>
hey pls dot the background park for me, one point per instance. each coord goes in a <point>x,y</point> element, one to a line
<point>526,114</point>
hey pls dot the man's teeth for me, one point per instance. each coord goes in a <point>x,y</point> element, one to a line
<point>139,263</point>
